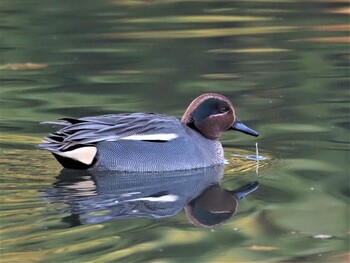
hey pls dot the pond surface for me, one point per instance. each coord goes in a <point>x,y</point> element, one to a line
<point>285,66</point>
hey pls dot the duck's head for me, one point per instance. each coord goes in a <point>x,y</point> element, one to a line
<point>211,114</point>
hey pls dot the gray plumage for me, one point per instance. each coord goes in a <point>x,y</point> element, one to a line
<point>107,133</point>
<point>112,127</point>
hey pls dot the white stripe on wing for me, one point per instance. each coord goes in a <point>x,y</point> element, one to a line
<point>152,137</point>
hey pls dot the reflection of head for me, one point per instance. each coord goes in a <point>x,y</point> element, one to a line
<point>215,205</point>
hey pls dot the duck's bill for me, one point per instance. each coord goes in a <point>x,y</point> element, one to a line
<point>239,126</point>
<point>245,190</point>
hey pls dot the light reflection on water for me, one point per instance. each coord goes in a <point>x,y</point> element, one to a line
<point>284,64</point>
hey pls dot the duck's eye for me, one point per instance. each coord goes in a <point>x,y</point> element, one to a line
<point>223,109</point>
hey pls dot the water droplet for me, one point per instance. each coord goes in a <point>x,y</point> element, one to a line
<point>255,158</point>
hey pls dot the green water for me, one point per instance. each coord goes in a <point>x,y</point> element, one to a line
<point>284,65</point>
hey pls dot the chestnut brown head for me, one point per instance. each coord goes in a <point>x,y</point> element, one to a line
<point>211,114</point>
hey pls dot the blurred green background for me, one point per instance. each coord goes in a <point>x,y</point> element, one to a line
<point>285,66</point>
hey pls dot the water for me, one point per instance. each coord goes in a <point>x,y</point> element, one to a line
<point>284,64</point>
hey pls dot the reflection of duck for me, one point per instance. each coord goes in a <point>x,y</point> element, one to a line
<point>215,205</point>
<point>102,196</point>
<point>147,142</point>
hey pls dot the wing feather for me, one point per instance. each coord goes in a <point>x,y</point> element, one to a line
<point>91,130</point>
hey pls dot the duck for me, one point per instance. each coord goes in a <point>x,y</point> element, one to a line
<point>146,142</point>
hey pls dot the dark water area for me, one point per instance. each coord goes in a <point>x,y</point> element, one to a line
<point>283,64</point>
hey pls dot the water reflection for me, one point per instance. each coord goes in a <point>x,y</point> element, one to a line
<point>215,205</point>
<point>96,197</point>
